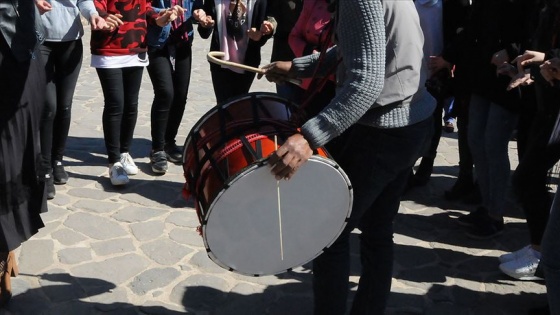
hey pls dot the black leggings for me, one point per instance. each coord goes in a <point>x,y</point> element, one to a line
<point>62,62</point>
<point>228,84</point>
<point>120,89</point>
<point>170,92</point>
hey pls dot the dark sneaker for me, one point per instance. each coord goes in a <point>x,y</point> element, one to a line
<point>473,217</point>
<point>159,162</point>
<point>49,182</point>
<point>486,228</point>
<point>173,153</point>
<point>59,174</point>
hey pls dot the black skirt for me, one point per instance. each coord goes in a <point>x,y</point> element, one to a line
<point>22,194</point>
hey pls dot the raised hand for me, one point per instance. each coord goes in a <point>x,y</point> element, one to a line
<point>97,23</point>
<point>43,6</point>
<point>254,34</point>
<point>113,21</point>
<point>266,28</point>
<point>550,70</point>
<point>277,72</point>
<point>204,20</point>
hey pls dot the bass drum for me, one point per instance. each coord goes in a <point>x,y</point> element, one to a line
<point>251,223</point>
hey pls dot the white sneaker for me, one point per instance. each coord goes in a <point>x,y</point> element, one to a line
<point>514,255</point>
<point>524,267</point>
<point>128,164</point>
<point>118,174</point>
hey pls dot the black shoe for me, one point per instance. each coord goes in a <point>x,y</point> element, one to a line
<point>49,182</point>
<point>173,153</point>
<point>473,217</point>
<point>485,227</point>
<point>159,162</point>
<point>59,174</point>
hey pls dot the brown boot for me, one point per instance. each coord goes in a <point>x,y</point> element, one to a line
<point>8,269</point>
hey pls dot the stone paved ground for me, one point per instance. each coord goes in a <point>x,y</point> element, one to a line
<point>136,250</point>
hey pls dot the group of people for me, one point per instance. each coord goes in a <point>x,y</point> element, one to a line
<point>374,112</point>
<point>497,61</point>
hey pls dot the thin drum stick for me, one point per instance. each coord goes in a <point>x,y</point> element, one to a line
<point>214,56</point>
<point>279,208</point>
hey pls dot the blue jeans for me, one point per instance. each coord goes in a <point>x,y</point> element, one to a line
<point>490,129</point>
<point>378,162</point>
<point>550,259</point>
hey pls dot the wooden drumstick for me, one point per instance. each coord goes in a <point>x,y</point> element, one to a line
<point>214,57</point>
<point>279,208</point>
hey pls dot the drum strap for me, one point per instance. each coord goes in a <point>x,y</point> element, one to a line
<point>255,154</point>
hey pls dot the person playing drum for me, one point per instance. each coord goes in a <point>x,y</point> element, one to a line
<point>375,128</point>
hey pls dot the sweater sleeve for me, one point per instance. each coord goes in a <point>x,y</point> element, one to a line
<point>363,57</point>
<point>87,8</point>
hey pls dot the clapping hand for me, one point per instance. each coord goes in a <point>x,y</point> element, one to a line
<point>112,22</point>
<point>203,20</point>
<point>523,76</point>
<point>97,22</point>
<point>550,70</point>
<point>43,6</point>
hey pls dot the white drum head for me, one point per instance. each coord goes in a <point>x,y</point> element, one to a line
<point>260,226</point>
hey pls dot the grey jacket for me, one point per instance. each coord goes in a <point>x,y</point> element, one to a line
<point>63,22</point>
<point>382,74</point>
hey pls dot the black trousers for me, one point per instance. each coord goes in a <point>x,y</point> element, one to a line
<point>120,90</point>
<point>228,84</point>
<point>62,62</point>
<point>171,87</point>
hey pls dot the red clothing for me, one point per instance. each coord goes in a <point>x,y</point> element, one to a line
<point>310,31</point>
<point>129,38</point>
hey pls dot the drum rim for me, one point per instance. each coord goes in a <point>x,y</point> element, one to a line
<point>227,103</point>
<point>262,163</point>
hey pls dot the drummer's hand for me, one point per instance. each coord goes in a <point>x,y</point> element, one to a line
<point>289,157</point>
<point>277,71</point>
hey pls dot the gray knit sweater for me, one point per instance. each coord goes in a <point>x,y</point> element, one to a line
<point>382,73</point>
